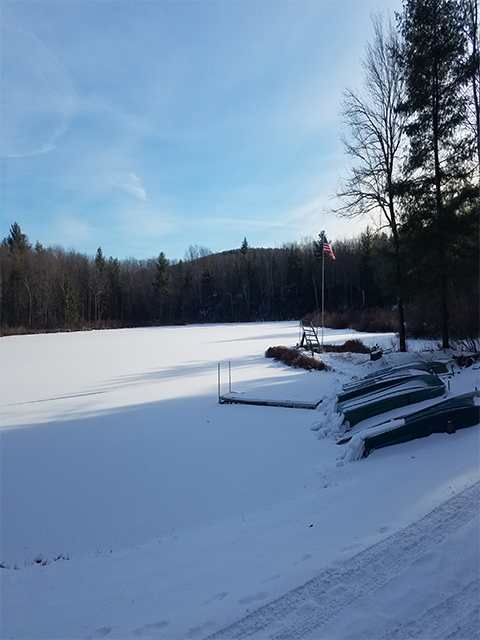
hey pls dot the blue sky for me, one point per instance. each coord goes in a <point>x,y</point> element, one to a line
<point>151,125</point>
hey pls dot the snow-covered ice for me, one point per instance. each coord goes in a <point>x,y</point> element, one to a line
<point>134,505</point>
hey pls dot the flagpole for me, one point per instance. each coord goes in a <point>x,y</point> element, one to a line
<point>323,280</point>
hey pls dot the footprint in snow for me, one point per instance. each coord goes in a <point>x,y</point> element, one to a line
<point>303,558</point>
<point>253,598</point>
<point>102,632</point>
<point>272,578</point>
<point>149,630</point>
<point>196,632</point>
<point>216,598</point>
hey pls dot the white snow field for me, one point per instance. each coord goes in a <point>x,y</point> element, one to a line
<point>134,505</point>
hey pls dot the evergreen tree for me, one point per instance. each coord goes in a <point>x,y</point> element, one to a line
<point>472,69</point>
<point>245,268</point>
<point>244,247</point>
<point>208,291</point>
<point>17,241</point>
<point>16,291</point>
<point>434,45</point>
<point>295,280</point>
<point>98,284</point>
<point>114,287</point>
<point>162,283</point>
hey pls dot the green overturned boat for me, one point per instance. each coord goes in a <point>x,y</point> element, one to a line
<point>447,416</point>
<point>389,377</point>
<point>376,395</point>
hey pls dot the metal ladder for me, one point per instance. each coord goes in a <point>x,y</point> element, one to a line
<point>309,337</point>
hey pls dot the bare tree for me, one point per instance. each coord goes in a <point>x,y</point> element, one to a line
<point>374,142</point>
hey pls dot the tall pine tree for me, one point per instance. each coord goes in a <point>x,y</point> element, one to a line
<point>434,46</point>
<point>162,283</point>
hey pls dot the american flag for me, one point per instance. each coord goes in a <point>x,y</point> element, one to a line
<point>327,248</point>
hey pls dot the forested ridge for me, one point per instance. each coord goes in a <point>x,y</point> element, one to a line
<point>412,136</point>
<point>51,289</point>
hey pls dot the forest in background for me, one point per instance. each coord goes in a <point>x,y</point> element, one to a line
<point>52,289</point>
<point>412,137</point>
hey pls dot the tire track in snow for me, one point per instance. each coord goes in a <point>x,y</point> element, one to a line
<point>468,627</point>
<point>454,617</point>
<point>304,609</point>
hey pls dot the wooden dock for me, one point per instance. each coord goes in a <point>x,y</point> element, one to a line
<point>233,397</point>
<point>237,398</point>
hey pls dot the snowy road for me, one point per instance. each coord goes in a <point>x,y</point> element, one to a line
<point>304,612</point>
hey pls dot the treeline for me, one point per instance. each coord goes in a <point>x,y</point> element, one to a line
<point>50,289</point>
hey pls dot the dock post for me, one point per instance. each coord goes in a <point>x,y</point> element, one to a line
<point>218,382</point>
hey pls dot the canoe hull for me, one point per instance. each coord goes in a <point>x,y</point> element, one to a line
<point>445,417</point>
<point>402,393</point>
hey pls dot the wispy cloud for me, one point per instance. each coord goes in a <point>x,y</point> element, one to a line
<point>38,96</point>
<point>132,184</point>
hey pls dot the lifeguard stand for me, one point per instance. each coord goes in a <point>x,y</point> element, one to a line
<point>309,337</point>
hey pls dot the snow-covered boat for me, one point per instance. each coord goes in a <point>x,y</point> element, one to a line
<point>447,416</point>
<point>389,377</point>
<point>389,393</point>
